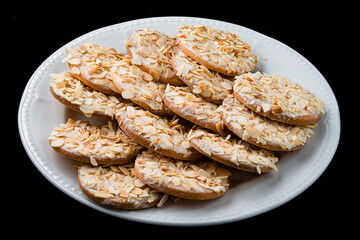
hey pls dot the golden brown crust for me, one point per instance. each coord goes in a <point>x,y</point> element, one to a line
<point>232,152</point>
<point>278,98</point>
<point>217,50</point>
<point>198,59</point>
<point>159,75</point>
<point>139,87</point>
<point>153,140</point>
<point>102,159</point>
<point>182,190</point>
<point>85,143</point>
<point>261,131</point>
<point>194,109</point>
<point>204,82</point>
<point>77,107</point>
<point>107,89</point>
<point>300,120</point>
<point>116,202</point>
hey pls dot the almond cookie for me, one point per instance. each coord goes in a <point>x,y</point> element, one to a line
<point>209,84</point>
<point>218,50</point>
<point>198,180</point>
<point>156,133</point>
<point>278,98</point>
<point>194,109</point>
<point>139,87</point>
<point>262,131</point>
<point>152,50</point>
<point>91,64</point>
<point>117,186</point>
<point>232,152</point>
<point>91,144</point>
<point>74,94</point>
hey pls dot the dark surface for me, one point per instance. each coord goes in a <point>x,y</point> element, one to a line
<point>319,33</point>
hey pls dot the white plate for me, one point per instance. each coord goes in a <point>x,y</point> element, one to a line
<point>249,194</point>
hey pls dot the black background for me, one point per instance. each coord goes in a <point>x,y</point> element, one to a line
<point>321,33</point>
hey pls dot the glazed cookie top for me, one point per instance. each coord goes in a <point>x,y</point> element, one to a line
<point>262,131</point>
<point>232,152</point>
<point>81,97</point>
<point>152,50</point>
<point>278,98</point>
<point>218,50</point>
<point>139,87</point>
<point>184,103</point>
<point>160,134</point>
<point>91,64</point>
<point>192,180</point>
<point>103,143</point>
<point>119,183</point>
<point>204,82</point>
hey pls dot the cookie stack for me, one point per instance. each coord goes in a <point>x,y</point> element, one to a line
<point>176,106</point>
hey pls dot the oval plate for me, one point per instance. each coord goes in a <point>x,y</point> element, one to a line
<point>249,194</point>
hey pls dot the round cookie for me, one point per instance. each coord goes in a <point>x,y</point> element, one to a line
<point>117,186</point>
<point>151,51</point>
<point>74,94</point>
<point>217,50</point>
<point>195,109</point>
<point>204,82</point>
<point>232,152</point>
<point>199,180</point>
<point>156,133</point>
<point>262,131</point>
<point>91,64</point>
<point>278,98</point>
<point>91,144</point>
<point>139,87</point>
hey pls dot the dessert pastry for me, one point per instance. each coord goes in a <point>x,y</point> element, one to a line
<point>278,98</point>
<point>216,49</point>
<point>91,64</point>
<point>151,51</point>
<point>162,135</point>
<point>204,82</point>
<point>262,131</point>
<point>117,186</point>
<point>199,180</point>
<point>91,144</point>
<point>195,109</point>
<point>74,94</point>
<point>232,152</point>
<point>139,87</point>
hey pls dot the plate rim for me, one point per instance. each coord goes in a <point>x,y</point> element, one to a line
<point>34,152</point>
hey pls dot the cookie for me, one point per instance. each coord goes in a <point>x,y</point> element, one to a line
<point>195,109</point>
<point>232,152</point>
<point>139,87</point>
<point>216,49</point>
<point>91,144</point>
<point>204,82</point>
<point>199,180</point>
<point>91,63</point>
<point>278,98</point>
<point>157,133</point>
<point>74,94</point>
<point>152,50</point>
<point>262,131</point>
<point>117,186</point>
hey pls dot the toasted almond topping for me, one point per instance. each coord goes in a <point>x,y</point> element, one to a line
<point>83,138</point>
<point>107,183</point>
<point>278,95</point>
<point>220,48</point>
<point>209,84</point>
<point>198,177</point>
<point>263,130</point>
